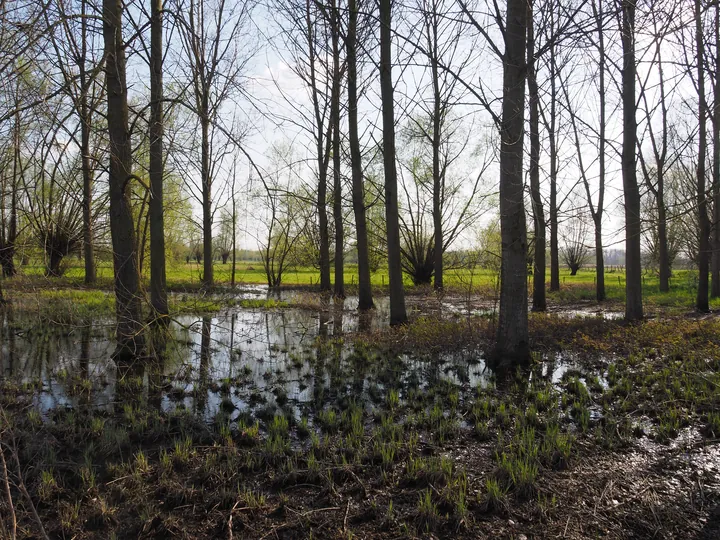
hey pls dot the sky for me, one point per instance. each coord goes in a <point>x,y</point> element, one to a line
<point>273,105</point>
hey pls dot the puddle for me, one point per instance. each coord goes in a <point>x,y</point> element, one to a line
<point>239,360</point>
<point>250,358</point>
<point>601,313</point>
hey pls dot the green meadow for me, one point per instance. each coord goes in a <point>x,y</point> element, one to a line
<point>478,281</point>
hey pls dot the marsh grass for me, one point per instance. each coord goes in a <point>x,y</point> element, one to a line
<point>494,497</point>
<point>439,451</point>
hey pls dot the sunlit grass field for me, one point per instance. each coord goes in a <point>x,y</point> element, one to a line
<point>581,287</point>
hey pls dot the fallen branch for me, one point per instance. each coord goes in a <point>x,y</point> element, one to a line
<point>11,507</point>
<point>18,473</point>
<point>299,517</point>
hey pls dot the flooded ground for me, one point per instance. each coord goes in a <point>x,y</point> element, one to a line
<point>241,361</point>
<point>290,415</point>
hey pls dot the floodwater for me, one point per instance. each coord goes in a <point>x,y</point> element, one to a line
<point>236,361</point>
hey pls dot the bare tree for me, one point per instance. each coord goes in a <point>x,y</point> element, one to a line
<point>715,262</point>
<point>682,182</point>
<point>441,44</point>
<point>212,35</point>
<point>664,153</point>
<point>365,300</point>
<point>304,30</point>
<point>14,169</point>
<point>73,37</point>
<point>461,198</point>
<point>512,345</point>
<point>550,25</point>
<point>285,216</point>
<point>539,302</point>
<point>337,69</point>
<point>551,123</point>
<point>633,262</point>
<point>597,209</point>
<point>575,249</point>
<point>702,303</point>
<point>22,35</point>
<point>225,241</point>
<point>234,221</point>
<point>158,287</point>
<point>512,337</point>
<point>398,314</point>
<point>674,217</point>
<point>53,189</point>
<point>125,261</point>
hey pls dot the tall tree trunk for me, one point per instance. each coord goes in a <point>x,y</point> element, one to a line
<point>702,303</point>
<point>323,150</point>
<point>552,137</point>
<point>206,195</point>
<point>54,257</point>
<point>554,245</point>
<point>633,280</point>
<point>339,289</point>
<point>715,292</point>
<point>539,300</point>
<point>324,234</point>
<point>438,179</point>
<point>141,230</point>
<point>127,282</point>
<point>158,289</point>
<point>398,314</point>
<point>663,253</point>
<point>9,247</point>
<point>87,173</point>
<point>598,213</point>
<point>87,165</point>
<point>512,345</point>
<point>365,300</point>
<point>661,160</point>
<point>234,235</point>
<point>599,260</point>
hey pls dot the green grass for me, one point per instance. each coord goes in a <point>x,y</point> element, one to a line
<point>581,287</point>
<point>66,305</point>
<point>578,288</point>
<point>409,451</point>
<point>69,305</point>
<point>180,274</point>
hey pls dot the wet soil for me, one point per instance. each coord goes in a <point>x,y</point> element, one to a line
<point>306,419</point>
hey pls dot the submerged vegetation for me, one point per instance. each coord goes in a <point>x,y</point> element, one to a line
<point>263,419</point>
<point>155,147</point>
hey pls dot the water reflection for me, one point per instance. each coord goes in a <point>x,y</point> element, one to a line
<point>203,379</point>
<point>8,350</point>
<point>338,307</point>
<point>235,361</point>
<point>160,335</point>
<point>365,320</point>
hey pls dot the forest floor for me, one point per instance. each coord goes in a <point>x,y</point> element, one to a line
<point>613,431</point>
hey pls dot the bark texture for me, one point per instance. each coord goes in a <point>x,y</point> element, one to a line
<point>512,345</point>
<point>365,300</point>
<point>125,261</point>
<point>633,278</point>
<point>158,289</point>
<point>398,315</point>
